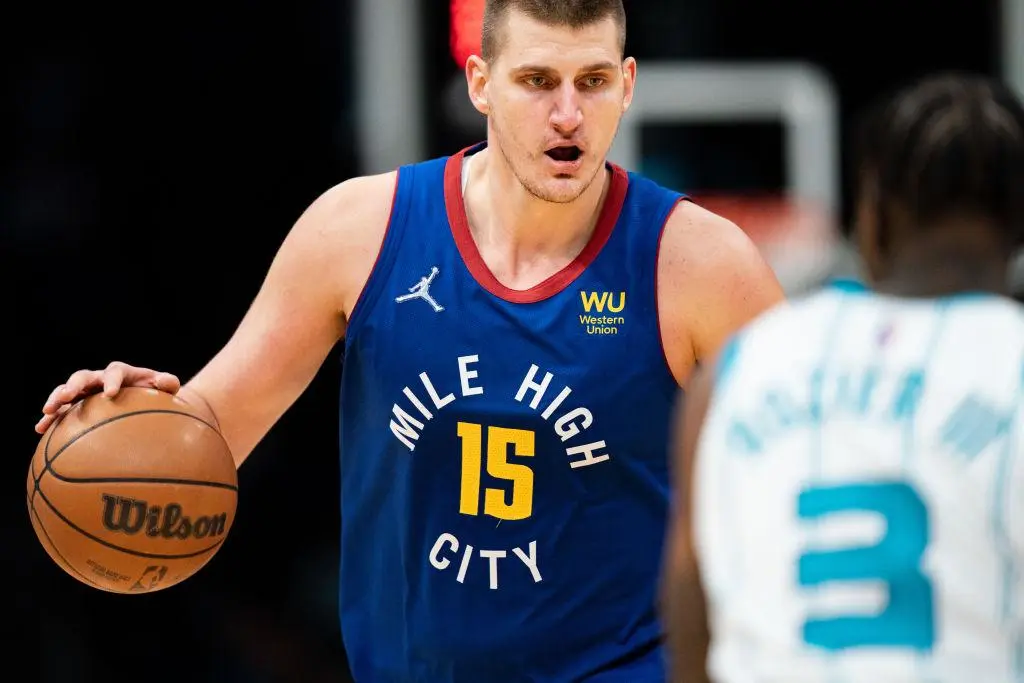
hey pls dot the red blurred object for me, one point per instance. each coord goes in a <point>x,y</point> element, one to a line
<point>767,218</point>
<point>467,20</point>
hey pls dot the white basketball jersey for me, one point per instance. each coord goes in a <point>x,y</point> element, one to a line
<point>859,493</point>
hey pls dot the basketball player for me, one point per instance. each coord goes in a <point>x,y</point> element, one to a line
<point>517,319</point>
<point>853,461</point>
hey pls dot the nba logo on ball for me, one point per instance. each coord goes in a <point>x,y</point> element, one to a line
<point>150,578</point>
<point>134,493</point>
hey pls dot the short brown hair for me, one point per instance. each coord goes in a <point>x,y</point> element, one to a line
<point>568,13</point>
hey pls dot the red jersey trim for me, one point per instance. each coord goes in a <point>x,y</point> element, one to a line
<point>459,223</point>
<point>657,289</point>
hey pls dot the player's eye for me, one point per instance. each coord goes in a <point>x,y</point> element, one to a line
<point>594,81</point>
<point>536,81</point>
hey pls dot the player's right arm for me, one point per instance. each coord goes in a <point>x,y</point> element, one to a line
<point>296,318</point>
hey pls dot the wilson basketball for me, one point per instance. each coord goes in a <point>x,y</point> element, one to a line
<point>134,493</point>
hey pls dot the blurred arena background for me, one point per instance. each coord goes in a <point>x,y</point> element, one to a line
<point>152,158</point>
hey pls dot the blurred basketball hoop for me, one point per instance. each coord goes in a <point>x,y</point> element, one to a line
<point>798,238</point>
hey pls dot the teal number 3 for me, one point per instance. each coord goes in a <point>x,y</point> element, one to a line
<point>908,619</point>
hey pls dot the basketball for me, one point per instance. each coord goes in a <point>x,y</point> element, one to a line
<point>134,493</point>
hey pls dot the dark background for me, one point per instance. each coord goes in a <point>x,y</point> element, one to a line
<point>153,157</point>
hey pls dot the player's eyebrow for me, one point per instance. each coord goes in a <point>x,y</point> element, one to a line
<point>541,69</point>
<point>600,66</point>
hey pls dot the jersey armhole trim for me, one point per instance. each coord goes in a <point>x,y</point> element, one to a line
<point>385,255</point>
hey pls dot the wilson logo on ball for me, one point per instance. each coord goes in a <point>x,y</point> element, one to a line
<point>130,516</point>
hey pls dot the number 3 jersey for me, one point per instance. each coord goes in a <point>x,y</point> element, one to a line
<point>859,493</point>
<point>504,470</point>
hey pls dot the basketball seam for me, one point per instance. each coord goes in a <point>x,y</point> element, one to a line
<point>137,553</point>
<point>49,461</point>
<point>48,466</point>
<point>46,449</point>
<point>142,480</point>
<point>42,527</point>
<point>35,480</point>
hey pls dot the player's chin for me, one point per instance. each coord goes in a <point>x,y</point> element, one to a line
<point>562,190</point>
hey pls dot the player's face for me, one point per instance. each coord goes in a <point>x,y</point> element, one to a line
<point>554,97</point>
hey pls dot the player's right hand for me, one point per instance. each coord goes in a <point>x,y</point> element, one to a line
<point>85,382</point>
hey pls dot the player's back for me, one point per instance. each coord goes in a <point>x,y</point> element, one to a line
<point>859,493</point>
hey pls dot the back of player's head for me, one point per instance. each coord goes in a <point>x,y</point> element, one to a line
<point>565,13</point>
<point>948,148</point>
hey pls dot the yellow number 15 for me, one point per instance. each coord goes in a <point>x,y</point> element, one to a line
<point>495,499</point>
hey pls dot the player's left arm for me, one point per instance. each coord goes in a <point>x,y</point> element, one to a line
<point>682,603</point>
<point>712,280</point>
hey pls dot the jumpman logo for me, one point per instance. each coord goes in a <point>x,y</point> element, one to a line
<point>421,290</point>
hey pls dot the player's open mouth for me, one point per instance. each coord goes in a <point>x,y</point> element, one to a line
<point>565,154</point>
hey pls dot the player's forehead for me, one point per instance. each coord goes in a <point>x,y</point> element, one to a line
<point>529,42</point>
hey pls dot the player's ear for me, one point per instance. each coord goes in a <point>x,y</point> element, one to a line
<point>628,82</point>
<point>477,77</point>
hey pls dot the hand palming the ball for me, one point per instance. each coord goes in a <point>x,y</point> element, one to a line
<point>110,380</point>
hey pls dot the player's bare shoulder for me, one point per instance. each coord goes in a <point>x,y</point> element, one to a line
<point>712,279</point>
<point>704,246</point>
<point>345,226</point>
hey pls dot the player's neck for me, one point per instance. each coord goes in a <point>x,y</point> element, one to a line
<point>505,216</point>
<point>953,256</point>
<point>929,273</point>
<point>911,285</point>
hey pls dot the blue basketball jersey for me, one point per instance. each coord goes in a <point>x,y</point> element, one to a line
<point>504,470</point>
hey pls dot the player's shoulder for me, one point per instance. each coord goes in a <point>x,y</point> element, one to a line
<point>1002,307</point>
<point>814,307</point>
<point>691,223</point>
<point>710,248</point>
<point>358,195</point>
<point>354,210</point>
<point>375,193</point>
<point>851,296</point>
<point>709,261</point>
<point>341,232</point>
<point>986,317</point>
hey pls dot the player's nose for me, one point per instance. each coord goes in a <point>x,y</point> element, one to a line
<point>566,115</point>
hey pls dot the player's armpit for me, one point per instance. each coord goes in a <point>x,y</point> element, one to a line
<point>682,602</point>
<point>299,313</point>
<point>712,280</point>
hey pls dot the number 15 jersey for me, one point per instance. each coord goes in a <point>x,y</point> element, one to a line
<point>859,493</point>
<point>504,471</point>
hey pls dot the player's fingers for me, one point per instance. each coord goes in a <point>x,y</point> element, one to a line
<point>46,420</point>
<point>134,376</point>
<point>165,381</point>
<point>43,423</point>
<point>79,383</point>
<point>51,404</point>
<point>113,378</point>
<point>145,377</point>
